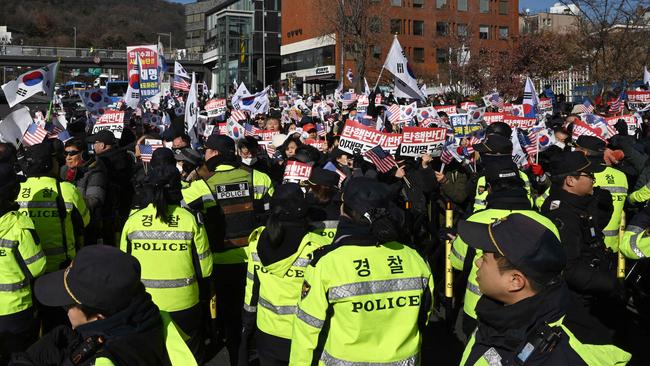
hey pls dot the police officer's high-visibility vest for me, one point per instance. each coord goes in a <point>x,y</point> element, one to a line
<point>640,195</point>
<point>635,243</point>
<point>615,182</point>
<point>591,354</point>
<point>173,255</point>
<point>38,200</point>
<point>272,292</point>
<point>480,198</point>
<point>373,297</point>
<point>325,228</point>
<point>539,201</point>
<point>240,193</point>
<point>459,250</point>
<point>21,259</point>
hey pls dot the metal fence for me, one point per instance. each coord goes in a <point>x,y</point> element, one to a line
<point>36,51</point>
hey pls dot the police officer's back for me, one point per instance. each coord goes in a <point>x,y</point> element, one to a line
<point>21,259</point>
<point>580,213</point>
<point>172,248</point>
<point>369,293</point>
<point>522,315</point>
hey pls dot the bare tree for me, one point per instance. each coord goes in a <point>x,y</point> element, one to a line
<point>358,24</point>
<point>614,38</point>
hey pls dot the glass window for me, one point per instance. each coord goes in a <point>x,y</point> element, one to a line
<point>484,6</point>
<point>396,26</point>
<point>441,55</point>
<point>418,27</point>
<point>503,32</point>
<point>484,32</point>
<point>441,4</point>
<point>442,28</point>
<point>396,2</point>
<point>418,54</point>
<point>462,30</point>
<point>375,25</point>
<point>376,51</point>
<point>462,5</point>
<point>503,7</point>
<point>418,3</point>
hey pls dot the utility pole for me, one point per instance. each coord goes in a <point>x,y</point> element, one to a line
<point>75,37</point>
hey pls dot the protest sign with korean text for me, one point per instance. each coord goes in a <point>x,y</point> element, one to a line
<point>215,107</point>
<point>357,138</point>
<point>520,122</point>
<point>149,72</point>
<point>112,121</point>
<point>417,141</point>
<point>296,171</point>
<point>633,122</point>
<point>462,125</point>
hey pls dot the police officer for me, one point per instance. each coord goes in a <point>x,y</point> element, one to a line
<point>610,179</point>
<point>173,251</point>
<point>114,321</point>
<point>279,254</point>
<point>234,199</point>
<point>21,259</point>
<point>636,243</point>
<point>58,211</point>
<point>496,146</point>
<point>506,195</point>
<point>369,295</point>
<point>580,213</point>
<point>522,315</point>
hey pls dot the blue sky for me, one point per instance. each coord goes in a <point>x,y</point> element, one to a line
<point>533,5</point>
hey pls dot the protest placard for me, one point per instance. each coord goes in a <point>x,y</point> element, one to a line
<point>520,122</point>
<point>296,171</point>
<point>417,141</point>
<point>462,126</point>
<point>215,107</point>
<point>357,138</point>
<point>149,73</point>
<point>112,121</point>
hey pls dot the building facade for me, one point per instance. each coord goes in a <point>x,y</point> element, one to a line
<point>242,44</point>
<point>195,24</point>
<point>432,33</point>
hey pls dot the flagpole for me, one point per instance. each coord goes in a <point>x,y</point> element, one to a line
<point>379,78</point>
<point>49,108</point>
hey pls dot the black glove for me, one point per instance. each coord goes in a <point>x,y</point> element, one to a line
<point>52,349</point>
<point>444,233</point>
<point>357,161</point>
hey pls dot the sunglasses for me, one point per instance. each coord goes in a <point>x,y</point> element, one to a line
<point>71,152</point>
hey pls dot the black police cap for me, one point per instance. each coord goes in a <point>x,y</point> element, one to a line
<point>571,162</point>
<point>527,244</point>
<point>499,128</point>
<point>323,177</point>
<point>591,143</point>
<point>288,201</point>
<point>100,276</point>
<point>497,169</point>
<point>221,143</point>
<point>363,195</point>
<point>494,145</point>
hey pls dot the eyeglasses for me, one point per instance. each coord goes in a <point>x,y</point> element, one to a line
<point>588,175</point>
<point>71,152</point>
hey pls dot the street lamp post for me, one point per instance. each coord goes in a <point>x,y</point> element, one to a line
<point>263,43</point>
<point>167,35</point>
<point>75,37</point>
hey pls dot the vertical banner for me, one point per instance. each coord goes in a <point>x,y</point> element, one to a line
<point>149,72</point>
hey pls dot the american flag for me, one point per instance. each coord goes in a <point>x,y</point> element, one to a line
<point>395,113</point>
<point>582,129</point>
<point>526,143</point>
<point>599,125</point>
<point>64,136</point>
<point>34,135</point>
<point>496,100</point>
<point>320,130</point>
<point>617,106</point>
<point>238,115</point>
<point>270,149</point>
<point>342,177</point>
<point>383,160</point>
<point>180,83</point>
<point>585,107</point>
<point>348,98</point>
<point>446,157</point>
<point>146,151</point>
<point>250,130</point>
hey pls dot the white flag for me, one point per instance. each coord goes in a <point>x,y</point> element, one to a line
<point>242,92</point>
<point>132,96</point>
<point>646,76</point>
<point>32,82</point>
<point>191,106</point>
<point>179,70</point>
<point>338,91</point>
<point>366,88</point>
<point>13,127</point>
<point>398,65</point>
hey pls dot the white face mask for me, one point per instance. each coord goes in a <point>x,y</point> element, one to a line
<point>249,161</point>
<point>179,166</point>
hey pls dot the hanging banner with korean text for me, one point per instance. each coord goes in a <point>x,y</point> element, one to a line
<point>149,72</point>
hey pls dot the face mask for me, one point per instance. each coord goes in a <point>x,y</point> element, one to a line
<point>179,166</point>
<point>249,161</point>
